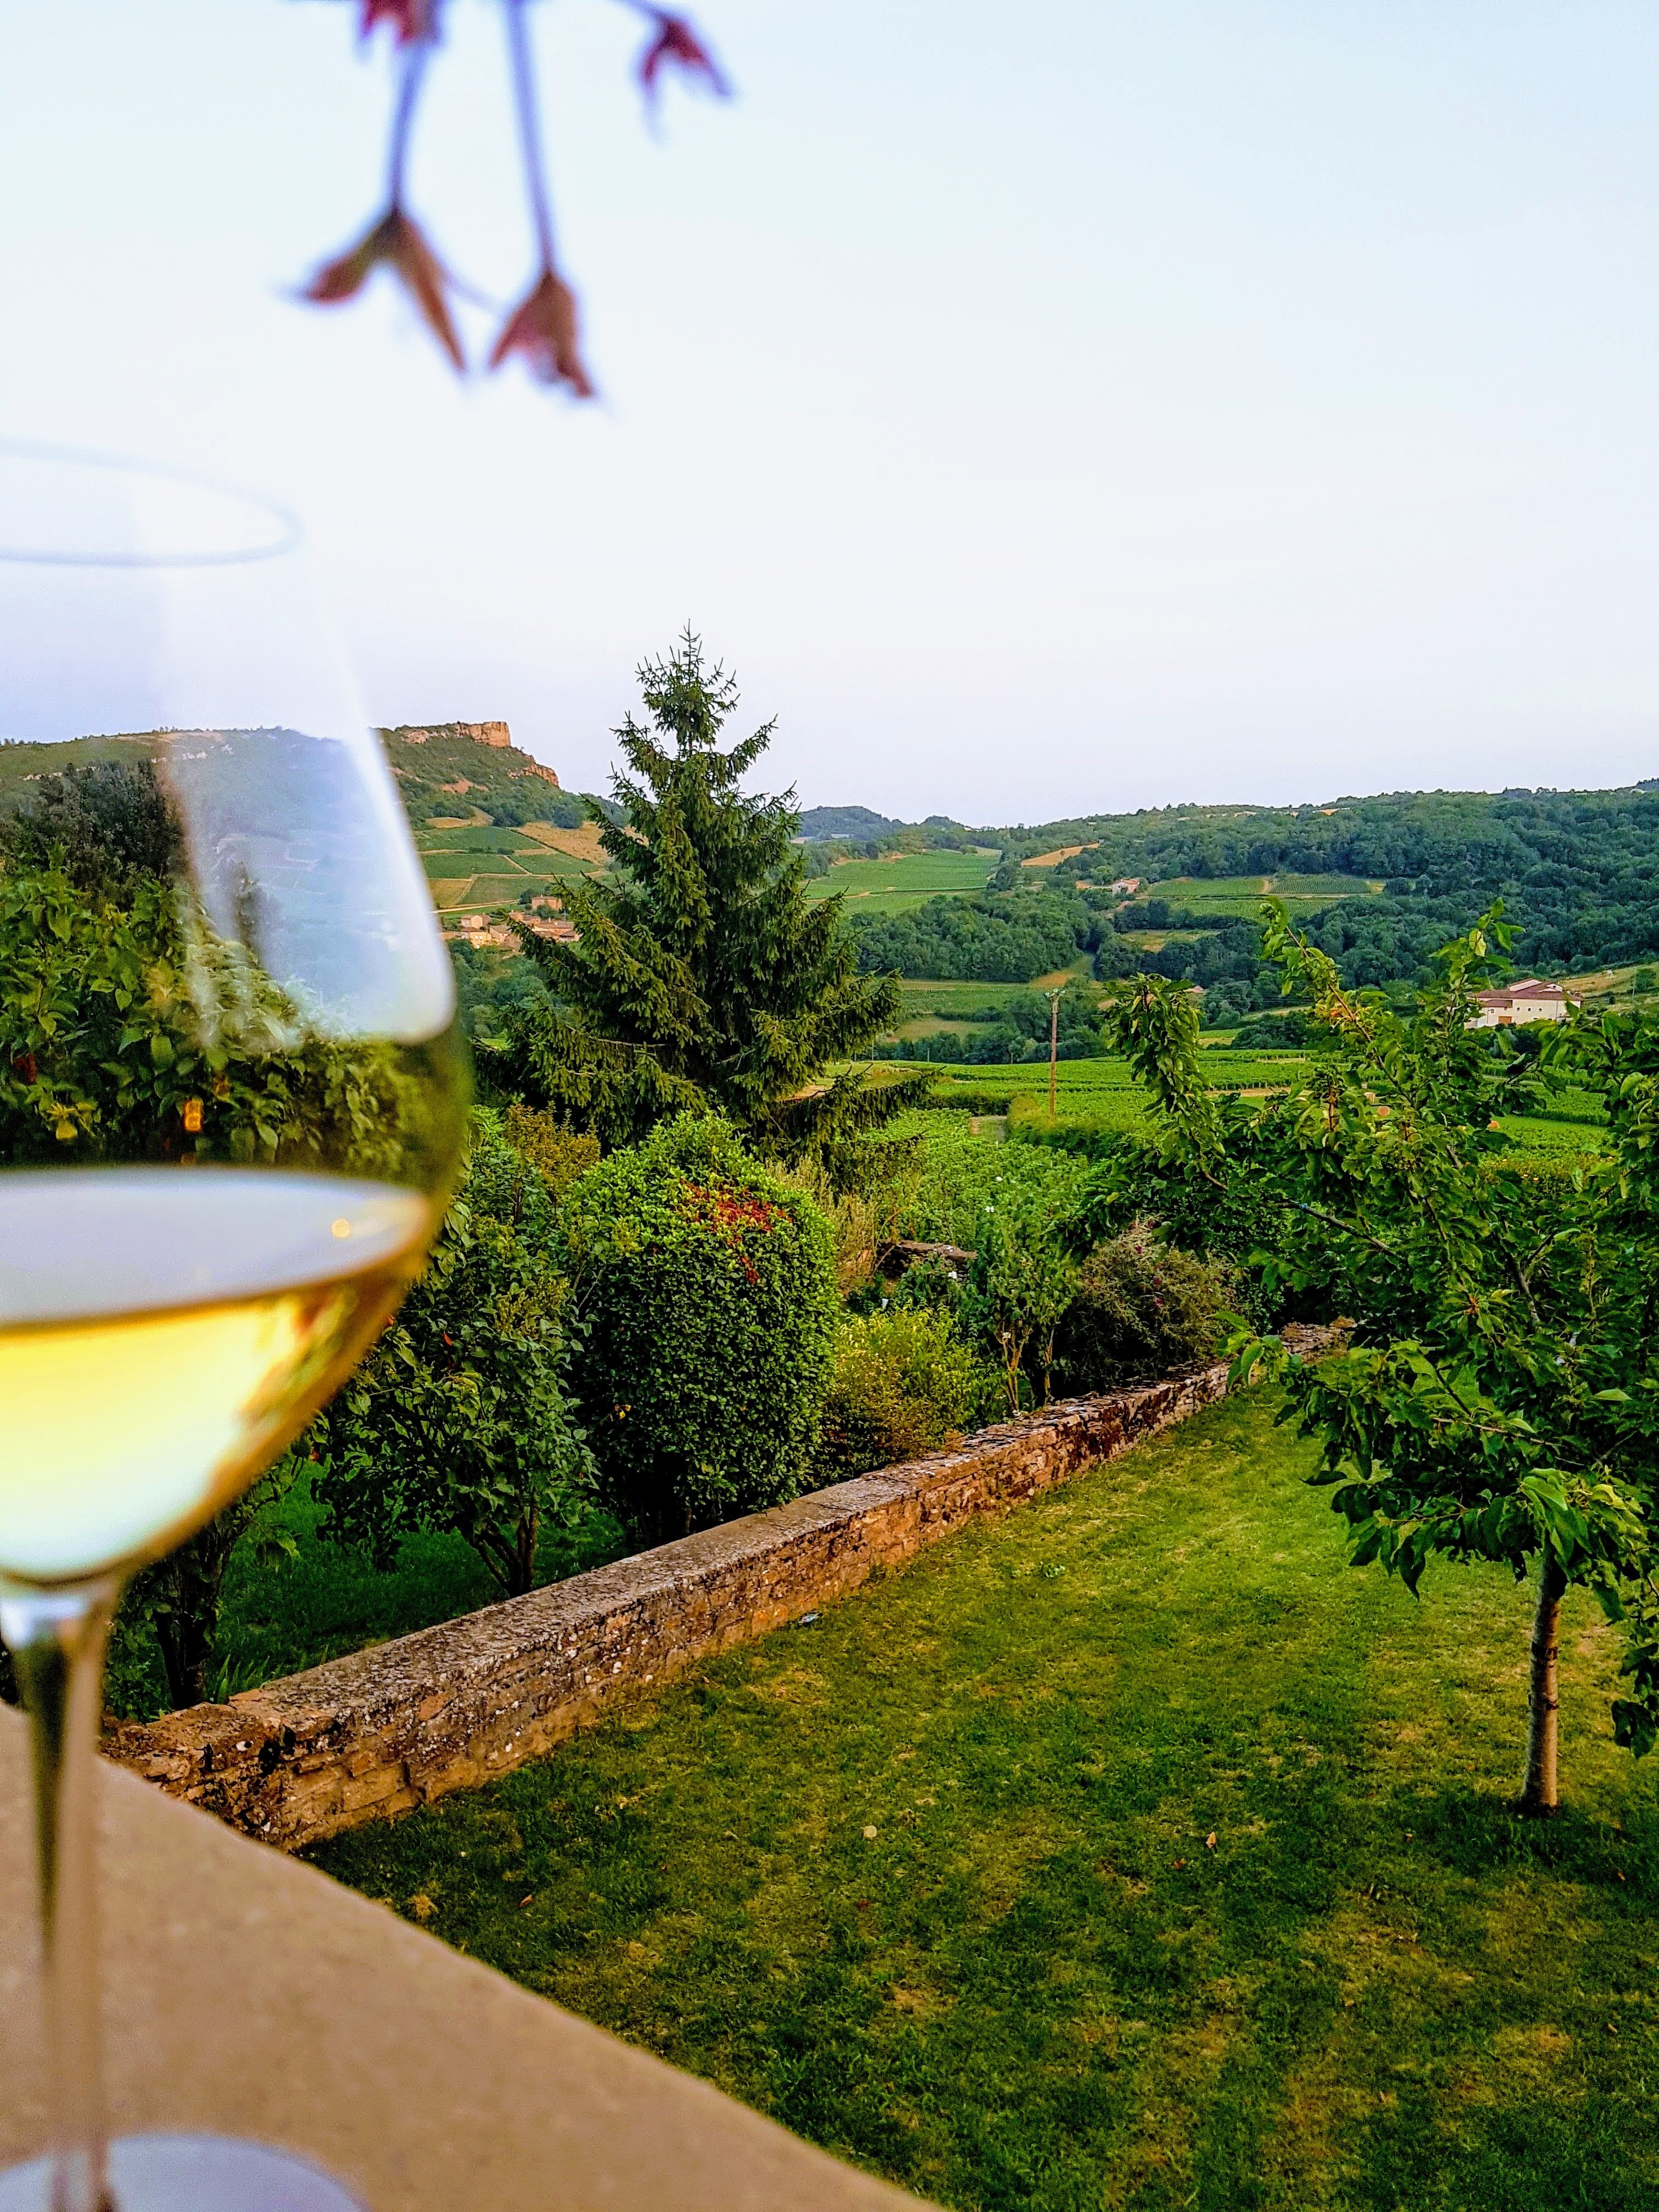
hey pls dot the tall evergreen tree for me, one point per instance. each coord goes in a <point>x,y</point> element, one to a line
<point>702,974</point>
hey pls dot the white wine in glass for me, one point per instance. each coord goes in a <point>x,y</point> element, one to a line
<point>232,1101</point>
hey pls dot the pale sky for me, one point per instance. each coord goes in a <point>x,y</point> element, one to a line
<point>1045,410</point>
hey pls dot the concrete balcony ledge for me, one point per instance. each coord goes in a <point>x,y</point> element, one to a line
<point>369,1737</point>
<point>247,1995</point>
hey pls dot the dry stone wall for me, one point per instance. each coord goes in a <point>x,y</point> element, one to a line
<point>366,1737</point>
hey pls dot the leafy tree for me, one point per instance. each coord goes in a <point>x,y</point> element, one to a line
<point>1010,936</point>
<point>702,974</point>
<point>103,1054</point>
<point>1575,869</point>
<point>104,825</point>
<point>706,1285</point>
<point>1500,1399</point>
<point>459,1420</point>
<point>1019,1286</point>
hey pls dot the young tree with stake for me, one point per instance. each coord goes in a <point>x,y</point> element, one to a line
<point>1499,1400</point>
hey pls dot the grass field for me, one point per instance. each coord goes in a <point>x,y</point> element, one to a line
<point>1079,1079</point>
<point>959,1001</point>
<point>1133,1854</point>
<point>892,886</point>
<point>927,1008</point>
<point>1244,894</point>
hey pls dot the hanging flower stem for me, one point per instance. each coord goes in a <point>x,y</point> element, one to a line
<point>530,131</point>
<point>410,76</point>
<point>545,328</point>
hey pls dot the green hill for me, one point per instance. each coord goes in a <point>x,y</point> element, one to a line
<point>1379,881</point>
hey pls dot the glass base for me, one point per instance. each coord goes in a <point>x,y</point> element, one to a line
<point>191,2174</point>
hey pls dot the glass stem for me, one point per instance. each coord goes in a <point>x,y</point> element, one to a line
<point>57,1640</point>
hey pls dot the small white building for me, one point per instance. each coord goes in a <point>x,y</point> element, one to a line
<point>1124,883</point>
<point>1528,1001</point>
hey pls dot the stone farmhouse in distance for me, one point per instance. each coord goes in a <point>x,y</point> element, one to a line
<point>1528,1001</point>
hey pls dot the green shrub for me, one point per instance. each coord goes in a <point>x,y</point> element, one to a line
<point>929,1285</point>
<point>459,1420</point>
<point>561,1155</point>
<point>706,1288</point>
<point>903,1382</point>
<point>1019,1287</point>
<point>1140,1308</point>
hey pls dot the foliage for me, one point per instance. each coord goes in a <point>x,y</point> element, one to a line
<point>962,1174</point>
<point>1501,1398</point>
<point>864,1217</point>
<point>706,1285</point>
<point>1238,1229</point>
<point>104,1052</point>
<point>702,974</point>
<point>104,824</point>
<point>1011,938</point>
<point>1016,1029</point>
<point>928,1285</point>
<point>1141,1307</point>
<point>559,1155</point>
<point>1575,869</point>
<point>458,1419</point>
<point>1225,953</point>
<point>903,1382</point>
<point>490,986</point>
<point>1040,1986</point>
<point>1295,1031</point>
<point>1020,1283</point>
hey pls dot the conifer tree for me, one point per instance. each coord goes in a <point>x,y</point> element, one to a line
<point>701,974</point>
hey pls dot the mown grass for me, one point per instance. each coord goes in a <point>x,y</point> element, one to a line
<point>1134,1853</point>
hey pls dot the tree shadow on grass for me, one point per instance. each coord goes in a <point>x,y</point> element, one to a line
<point>1475,1831</point>
<point>1533,2158</point>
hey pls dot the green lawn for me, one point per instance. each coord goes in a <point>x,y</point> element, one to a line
<point>1133,1853</point>
<point>893,886</point>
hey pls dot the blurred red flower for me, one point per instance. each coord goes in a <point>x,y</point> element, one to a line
<point>395,240</point>
<point>543,327</point>
<point>676,42</point>
<point>412,19</point>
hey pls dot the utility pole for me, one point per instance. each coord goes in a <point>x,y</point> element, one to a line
<point>1054,1044</point>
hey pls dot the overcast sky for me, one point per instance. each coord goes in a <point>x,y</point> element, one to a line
<point>1045,410</point>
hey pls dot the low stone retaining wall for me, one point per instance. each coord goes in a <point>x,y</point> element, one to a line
<point>369,1736</point>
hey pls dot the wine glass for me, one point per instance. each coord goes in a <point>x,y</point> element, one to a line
<point>232,1100</point>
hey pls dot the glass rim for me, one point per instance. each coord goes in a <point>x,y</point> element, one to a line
<point>286,535</point>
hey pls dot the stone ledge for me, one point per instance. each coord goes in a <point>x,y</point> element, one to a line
<point>369,1737</point>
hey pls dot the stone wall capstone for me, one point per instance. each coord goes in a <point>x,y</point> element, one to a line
<point>369,1736</point>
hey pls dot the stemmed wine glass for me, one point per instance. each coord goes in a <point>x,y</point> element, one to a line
<point>231,1098</point>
